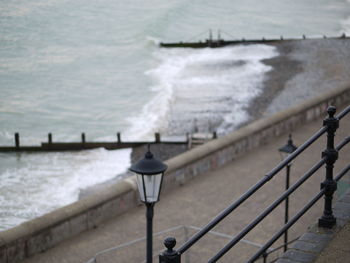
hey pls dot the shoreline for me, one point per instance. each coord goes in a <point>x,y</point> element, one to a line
<point>283,69</point>
<point>297,68</point>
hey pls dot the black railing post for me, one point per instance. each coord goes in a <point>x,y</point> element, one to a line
<point>265,255</point>
<point>286,209</point>
<point>49,138</point>
<point>170,255</point>
<point>157,137</point>
<point>331,155</point>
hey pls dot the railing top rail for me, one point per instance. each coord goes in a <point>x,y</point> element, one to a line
<point>297,152</point>
<point>305,145</point>
<point>343,113</point>
<point>258,185</point>
<point>296,217</point>
<point>287,226</point>
<point>266,212</point>
<point>250,192</point>
<point>270,208</point>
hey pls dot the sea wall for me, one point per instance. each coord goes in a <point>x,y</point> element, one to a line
<point>44,232</point>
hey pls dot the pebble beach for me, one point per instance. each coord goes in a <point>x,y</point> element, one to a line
<point>303,70</point>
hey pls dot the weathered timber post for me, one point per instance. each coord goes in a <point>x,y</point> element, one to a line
<point>331,155</point>
<point>49,137</point>
<point>17,140</point>
<point>118,137</point>
<point>83,137</point>
<point>189,141</point>
<point>170,255</point>
<point>187,137</point>
<point>157,137</point>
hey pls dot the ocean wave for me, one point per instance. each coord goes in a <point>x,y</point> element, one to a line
<point>186,78</point>
<point>57,175</point>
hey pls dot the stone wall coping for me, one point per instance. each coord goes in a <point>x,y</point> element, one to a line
<point>62,214</point>
<point>263,123</point>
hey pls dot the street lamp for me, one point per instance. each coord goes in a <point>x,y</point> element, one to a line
<point>286,150</point>
<point>149,176</point>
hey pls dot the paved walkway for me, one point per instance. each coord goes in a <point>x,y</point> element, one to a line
<point>199,200</point>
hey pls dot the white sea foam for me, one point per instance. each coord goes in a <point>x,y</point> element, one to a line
<point>48,181</point>
<point>154,114</point>
<point>190,82</point>
<point>151,118</point>
<point>345,26</point>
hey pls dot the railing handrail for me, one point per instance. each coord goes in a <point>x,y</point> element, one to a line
<point>267,211</point>
<point>270,208</point>
<point>250,192</point>
<point>329,157</point>
<point>256,187</point>
<point>293,220</point>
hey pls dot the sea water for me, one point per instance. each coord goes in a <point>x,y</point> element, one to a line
<point>68,67</point>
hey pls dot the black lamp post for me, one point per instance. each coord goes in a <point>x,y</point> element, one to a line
<point>286,150</point>
<point>149,176</point>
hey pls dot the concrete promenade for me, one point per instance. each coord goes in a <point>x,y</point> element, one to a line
<point>200,199</point>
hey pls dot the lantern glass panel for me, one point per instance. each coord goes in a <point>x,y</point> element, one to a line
<point>149,187</point>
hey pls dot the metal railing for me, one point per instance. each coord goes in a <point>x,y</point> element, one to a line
<point>328,187</point>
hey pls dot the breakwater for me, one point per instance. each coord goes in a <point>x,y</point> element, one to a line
<point>85,145</point>
<point>42,233</point>
<point>219,42</point>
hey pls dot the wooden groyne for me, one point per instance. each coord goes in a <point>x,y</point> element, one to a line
<point>50,145</point>
<point>215,43</point>
<point>219,42</point>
